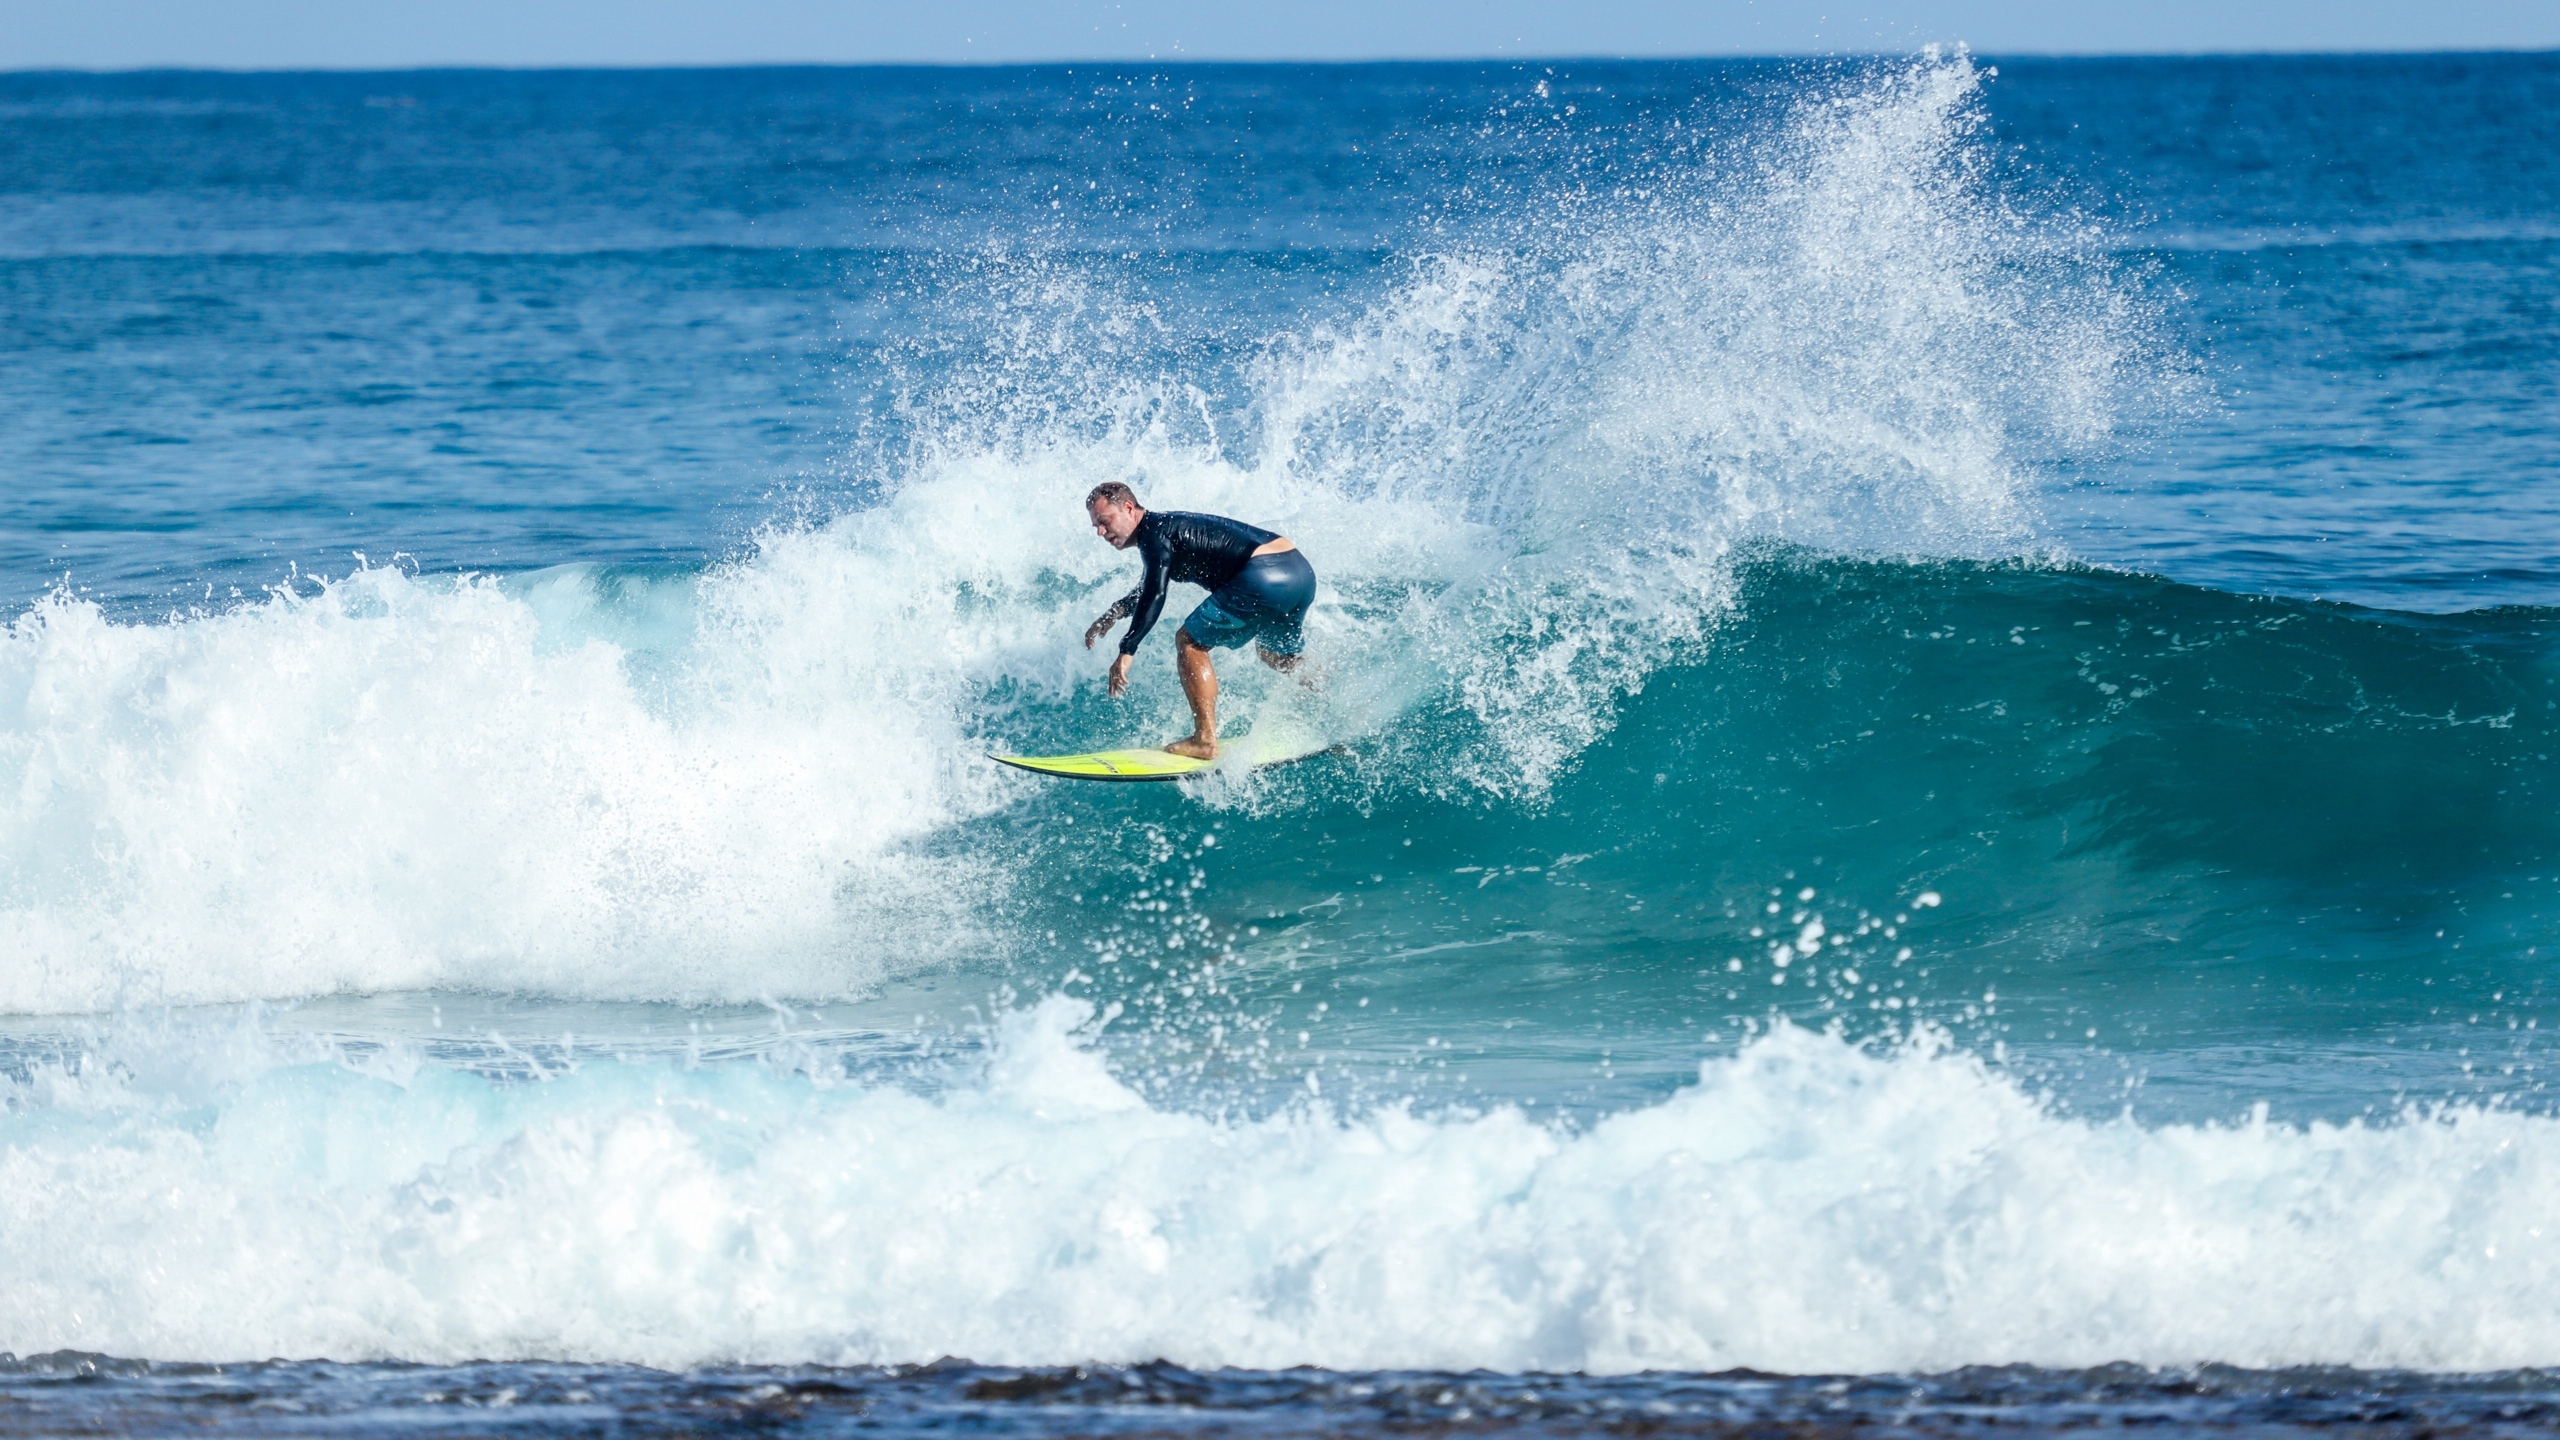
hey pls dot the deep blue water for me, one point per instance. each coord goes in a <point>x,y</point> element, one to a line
<point>1945,674</point>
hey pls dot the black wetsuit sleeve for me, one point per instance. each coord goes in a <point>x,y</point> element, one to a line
<point>1146,602</point>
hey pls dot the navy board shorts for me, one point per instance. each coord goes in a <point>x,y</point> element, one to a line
<point>1266,602</point>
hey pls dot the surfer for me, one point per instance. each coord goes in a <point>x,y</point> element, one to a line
<point>1259,590</point>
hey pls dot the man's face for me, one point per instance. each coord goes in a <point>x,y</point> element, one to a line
<point>1115,521</point>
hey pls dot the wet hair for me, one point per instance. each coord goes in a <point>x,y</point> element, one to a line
<point>1113,492</point>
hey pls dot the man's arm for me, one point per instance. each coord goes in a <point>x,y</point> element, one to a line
<point>1149,595</point>
<point>1102,624</point>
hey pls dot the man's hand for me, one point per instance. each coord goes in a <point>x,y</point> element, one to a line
<point>1101,627</point>
<point>1120,674</point>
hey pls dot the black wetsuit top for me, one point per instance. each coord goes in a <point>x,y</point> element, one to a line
<point>1204,550</point>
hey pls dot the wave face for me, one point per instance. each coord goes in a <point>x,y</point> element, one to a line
<point>711,786</point>
<point>1043,1208</point>
<point>2132,794</point>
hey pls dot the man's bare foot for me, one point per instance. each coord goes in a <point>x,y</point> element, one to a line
<point>1194,747</point>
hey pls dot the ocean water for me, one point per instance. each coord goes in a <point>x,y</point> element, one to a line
<point>1946,673</point>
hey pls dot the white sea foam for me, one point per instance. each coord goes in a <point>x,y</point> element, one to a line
<point>1521,475</point>
<point>1806,1206</point>
<point>400,784</point>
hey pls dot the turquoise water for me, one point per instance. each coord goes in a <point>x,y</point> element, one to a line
<point>1944,674</point>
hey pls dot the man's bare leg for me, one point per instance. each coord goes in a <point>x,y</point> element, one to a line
<point>1200,687</point>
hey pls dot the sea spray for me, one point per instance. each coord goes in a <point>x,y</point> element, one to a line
<point>1524,470</point>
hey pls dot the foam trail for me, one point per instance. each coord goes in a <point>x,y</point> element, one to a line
<point>1806,1206</point>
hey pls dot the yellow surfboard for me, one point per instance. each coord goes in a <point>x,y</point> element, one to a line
<point>1277,746</point>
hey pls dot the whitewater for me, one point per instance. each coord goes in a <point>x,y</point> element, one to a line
<point>1804,1206</point>
<point>1897,809</point>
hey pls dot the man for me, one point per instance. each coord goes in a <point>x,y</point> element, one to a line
<point>1259,590</point>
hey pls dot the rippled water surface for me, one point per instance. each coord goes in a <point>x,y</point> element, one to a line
<point>1944,675</point>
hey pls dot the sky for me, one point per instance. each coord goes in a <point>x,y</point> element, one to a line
<point>389,34</point>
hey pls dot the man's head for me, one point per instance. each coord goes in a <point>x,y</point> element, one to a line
<point>1115,512</point>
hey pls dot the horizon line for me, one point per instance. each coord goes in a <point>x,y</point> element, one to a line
<point>649,67</point>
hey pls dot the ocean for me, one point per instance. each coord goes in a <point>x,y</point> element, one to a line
<point>1945,673</point>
